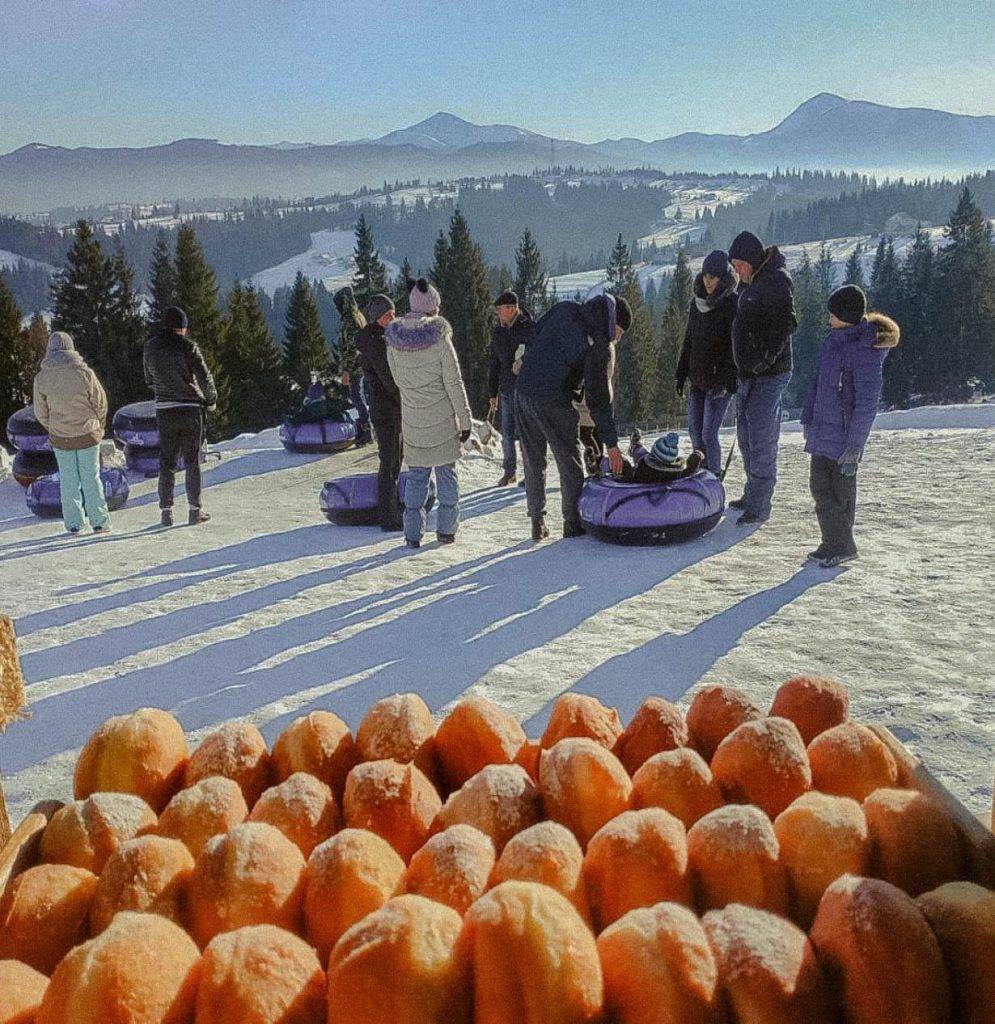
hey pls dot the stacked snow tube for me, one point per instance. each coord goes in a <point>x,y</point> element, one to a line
<point>34,456</point>
<point>45,500</point>
<point>631,513</point>
<point>135,427</point>
<point>323,437</point>
<point>352,500</point>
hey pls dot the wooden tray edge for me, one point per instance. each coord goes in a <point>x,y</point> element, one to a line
<point>21,851</point>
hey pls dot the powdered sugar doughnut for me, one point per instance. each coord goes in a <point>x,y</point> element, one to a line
<point>849,760</point>
<point>583,786</point>
<point>211,807</point>
<point>767,968</point>
<point>22,989</point>
<point>399,728</point>
<point>714,713</point>
<point>659,967</point>
<point>144,753</point>
<point>149,875</point>
<point>733,857</point>
<point>453,867</point>
<point>500,800</point>
<point>880,955</point>
<point>534,960</point>
<point>473,735</point>
<point>812,703</point>
<point>657,726</point>
<point>321,745</point>
<point>577,714</point>
<point>302,808</point>
<point>680,782</point>
<point>86,832</point>
<point>400,964</point>
<point>252,875</point>
<point>348,876</point>
<point>638,859</point>
<point>237,751</point>
<point>763,763</point>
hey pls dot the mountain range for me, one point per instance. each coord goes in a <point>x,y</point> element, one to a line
<point>827,132</point>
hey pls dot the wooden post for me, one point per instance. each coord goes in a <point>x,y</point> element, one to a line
<point>13,700</point>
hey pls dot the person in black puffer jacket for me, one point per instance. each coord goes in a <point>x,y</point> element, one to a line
<point>706,357</point>
<point>761,346</point>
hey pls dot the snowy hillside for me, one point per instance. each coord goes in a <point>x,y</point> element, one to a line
<point>269,611</point>
<point>11,260</point>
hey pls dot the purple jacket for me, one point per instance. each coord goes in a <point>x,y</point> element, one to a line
<point>843,397</point>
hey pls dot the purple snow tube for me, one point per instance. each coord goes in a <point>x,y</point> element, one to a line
<point>30,465</point>
<point>145,460</point>
<point>45,500</point>
<point>135,425</point>
<point>25,433</point>
<point>352,500</point>
<point>323,437</point>
<point>629,513</point>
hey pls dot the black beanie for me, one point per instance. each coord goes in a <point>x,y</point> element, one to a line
<point>623,314</point>
<point>747,247</point>
<point>506,298</point>
<point>848,304</point>
<point>174,319</point>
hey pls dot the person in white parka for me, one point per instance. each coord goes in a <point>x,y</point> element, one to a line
<point>435,413</point>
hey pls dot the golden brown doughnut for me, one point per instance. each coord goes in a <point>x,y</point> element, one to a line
<point>578,714</point>
<point>849,760</point>
<point>714,712</point>
<point>321,745</point>
<point>399,728</point>
<point>814,704</point>
<point>473,735</point>
<point>237,751</point>
<point>213,806</point>
<point>453,867</point>
<point>680,781</point>
<point>302,807</point>
<point>22,989</point>
<point>656,726</point>
<point>85,833</point>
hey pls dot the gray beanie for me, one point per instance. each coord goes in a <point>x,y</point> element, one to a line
<point>423,298</point>
<point>59,341</point>
<point>377,306</point>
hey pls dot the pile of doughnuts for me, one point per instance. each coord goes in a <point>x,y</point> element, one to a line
<point>728,866</point>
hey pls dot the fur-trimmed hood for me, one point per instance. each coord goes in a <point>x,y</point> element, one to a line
<point>413,332</point>
<point>888,331</point>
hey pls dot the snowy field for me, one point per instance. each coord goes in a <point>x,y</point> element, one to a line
<point>268,611</point>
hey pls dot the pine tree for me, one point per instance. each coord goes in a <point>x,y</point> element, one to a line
<point>460,275</point>
<point>400,290</point>
<point>125,379</point>
<point>886,285</point>
<point>854,272</point>
<point>35,338</point>
<point>673,326</point>
<point>197,296</point>
<point>910,368</point>
<point>810,307</point>
<point>371,276</point>
<point>305,350</point>
<point>531,283</point>
<point>825,272</point>
<point>162,279</point>
<point>16,375</point>
<point>260,393</point>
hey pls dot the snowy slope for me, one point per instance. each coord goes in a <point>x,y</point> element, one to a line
<point>10,260</point>
<point>269,611</point>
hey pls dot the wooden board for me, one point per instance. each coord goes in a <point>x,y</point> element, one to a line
<point>20,852</point>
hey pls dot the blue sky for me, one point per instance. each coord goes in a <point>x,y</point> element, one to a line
<point>139,72</point>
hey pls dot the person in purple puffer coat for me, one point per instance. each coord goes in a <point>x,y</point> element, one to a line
<point>838,413</point>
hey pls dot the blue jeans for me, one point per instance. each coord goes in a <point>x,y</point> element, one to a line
<point>81,488</point>
<point>416,495</point>
<point>706,410</point>
<point>509,432</point>
<point>758,429</point>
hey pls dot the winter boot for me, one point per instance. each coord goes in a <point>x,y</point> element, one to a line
<point>415,544</point>
<point>540,531</point>
<point>197,516</point>
<point>106,528</point>
<point>835,561</point>
<point>166,519</point>
<point>507,480</point>
<point>818,554</point>
<point>571,530</point>
<point>750,519</point>
<point>446,538</point>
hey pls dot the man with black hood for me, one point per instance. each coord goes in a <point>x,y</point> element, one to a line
<point>761,347</point>
<point>570,351</point>
<point>385,407</point>
<point>183,388</point>
<point>510,335</point>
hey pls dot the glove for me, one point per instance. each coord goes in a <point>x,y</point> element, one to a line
<point>849,461</point>
<point>616,461</point>
<point>464,436</point>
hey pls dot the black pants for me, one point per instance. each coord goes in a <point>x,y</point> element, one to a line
<point>391,451</point>
<point>592,448</point>
<point>835,505</point>
<point>181,431</point>
<point>550,422</point>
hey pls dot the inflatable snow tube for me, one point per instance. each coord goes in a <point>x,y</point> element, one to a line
<point>352,500</point>
<point>29,465</point>
<point>135,425</point>
<point>323,437</point>
<point>145,459</point>
<point>630,513</point>
<point>26,434</point>
<point>44,498</point>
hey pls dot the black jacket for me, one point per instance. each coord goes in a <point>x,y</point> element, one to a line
<point>175,369</point>
<point>380,387</point>
<point>571,348</point>
<point>765,319</point>
<point>706,356</point>
<point>504,343</point>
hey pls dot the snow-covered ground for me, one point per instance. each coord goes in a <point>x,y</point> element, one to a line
<point>269,611</point>
<point>10,260</point>
<point>329,260</point>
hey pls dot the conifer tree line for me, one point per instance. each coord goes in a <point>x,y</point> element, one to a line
<point>265,351</point>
